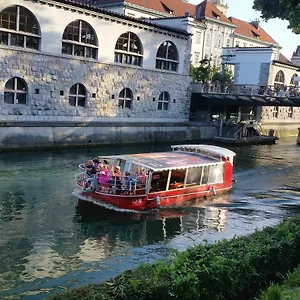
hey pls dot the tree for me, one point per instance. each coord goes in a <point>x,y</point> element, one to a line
<point>205,72</point>
<point>223,77</point>
<point>201,73</point>
<point>283,9</point>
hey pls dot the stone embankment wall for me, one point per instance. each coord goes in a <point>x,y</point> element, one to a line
<point>285,120</point>
<point>26,135</point>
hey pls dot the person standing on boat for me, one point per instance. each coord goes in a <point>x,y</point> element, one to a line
<point>116,177</point>
<point>91,168</point>
<point>104,175</point>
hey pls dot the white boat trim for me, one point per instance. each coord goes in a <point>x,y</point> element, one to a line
<point>216,150</point>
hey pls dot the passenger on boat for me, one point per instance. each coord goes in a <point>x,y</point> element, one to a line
<point>141,176</point>
<point>126,182</point>
<point>96,162</point>
<point>91,168</point>
<point>104,175</point>
<point>116,176</point>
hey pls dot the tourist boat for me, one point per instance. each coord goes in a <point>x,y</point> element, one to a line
<point>160,179</point>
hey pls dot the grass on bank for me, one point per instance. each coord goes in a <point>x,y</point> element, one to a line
<point>234,269</point>
<point>288,290</point>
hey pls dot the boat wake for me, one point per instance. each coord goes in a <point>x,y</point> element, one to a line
<point>109,206</point>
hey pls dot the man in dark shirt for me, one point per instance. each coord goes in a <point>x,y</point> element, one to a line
<point>91,169</point>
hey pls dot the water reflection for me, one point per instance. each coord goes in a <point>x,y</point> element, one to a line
<point>112,228</point>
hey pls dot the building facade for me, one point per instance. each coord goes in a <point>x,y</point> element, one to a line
<point>61,61</point>
<point>208,23</point>
<point>296,57</point>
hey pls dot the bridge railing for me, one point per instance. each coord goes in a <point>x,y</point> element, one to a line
<point>247,90</point>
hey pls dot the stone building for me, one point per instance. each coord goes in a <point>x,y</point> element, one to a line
<point>62,61</point>
<point>74,74</point>
<point>265,90</point>
<point>207,22</point>
<point>296,57</point>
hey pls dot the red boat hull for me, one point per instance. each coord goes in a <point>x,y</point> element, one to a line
<point>154,200</point>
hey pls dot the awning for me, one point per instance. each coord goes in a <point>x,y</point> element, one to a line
<point>258,99</point>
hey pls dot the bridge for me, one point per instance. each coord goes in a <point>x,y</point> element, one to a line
<point>246,95</point>
<point>237,109</point>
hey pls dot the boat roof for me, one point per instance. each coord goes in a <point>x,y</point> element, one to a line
<point>209,149</point>
<point>159,161</point>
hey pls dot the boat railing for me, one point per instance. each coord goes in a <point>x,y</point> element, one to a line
<point>121,186</point>
<point>82,168</point>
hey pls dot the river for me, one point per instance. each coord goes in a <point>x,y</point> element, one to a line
<point>49,241</point>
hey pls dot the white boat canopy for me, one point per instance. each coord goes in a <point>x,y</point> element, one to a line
<point>160,161</point>
<point>205,150</point>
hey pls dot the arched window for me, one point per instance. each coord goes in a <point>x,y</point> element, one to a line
<point>167,57</point>
<point>129,50</point>
<point>19,28</point>
<point>275,112</point>
<point>279,77</point>
<point>290,112</point>
<point>163,101</point>
<point>293,82</point>
<point>15,91</point>
<point>125,98</point>
<point>77,95</point>
<point>79,39</point>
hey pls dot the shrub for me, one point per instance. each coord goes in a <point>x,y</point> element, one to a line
<point>236,269</point>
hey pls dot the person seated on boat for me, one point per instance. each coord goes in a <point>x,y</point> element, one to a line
<point>116,176</point>
<point>104,175</point>
<point>141,176</point>
<point>126,182</point>
<point>91,168</point>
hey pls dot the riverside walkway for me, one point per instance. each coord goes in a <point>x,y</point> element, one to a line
<point>246,95</point>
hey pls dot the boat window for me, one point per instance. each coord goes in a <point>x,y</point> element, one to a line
<point>121,163</point>
<point>205,174</point>
<point>177,179</point>
<point>128,167</point>
<point>193,176</point>
<point>136,169</point>
<point>159,181</point>
<point>105,160</point>
<point>216,174</point>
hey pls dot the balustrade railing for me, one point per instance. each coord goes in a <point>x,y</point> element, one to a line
<point>247,90</point>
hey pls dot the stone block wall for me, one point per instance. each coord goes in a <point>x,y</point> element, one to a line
<point>283,119</point>
<point>49,79</point>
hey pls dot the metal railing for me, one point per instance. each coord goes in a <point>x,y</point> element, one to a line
<point>120,186</point>
<point>247,90</point>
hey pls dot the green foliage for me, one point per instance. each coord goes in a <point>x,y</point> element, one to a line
<point>236,269</point>
<point>293,279</point>
<point>289,290</point>
<point>272,293</point>
<point>205,72</point>
<point>202,73</point>
<point>284,9</point>
<point>223,77</point>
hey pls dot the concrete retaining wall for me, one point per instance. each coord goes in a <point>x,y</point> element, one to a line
<point>22,136</point>
<point>281,129</point>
